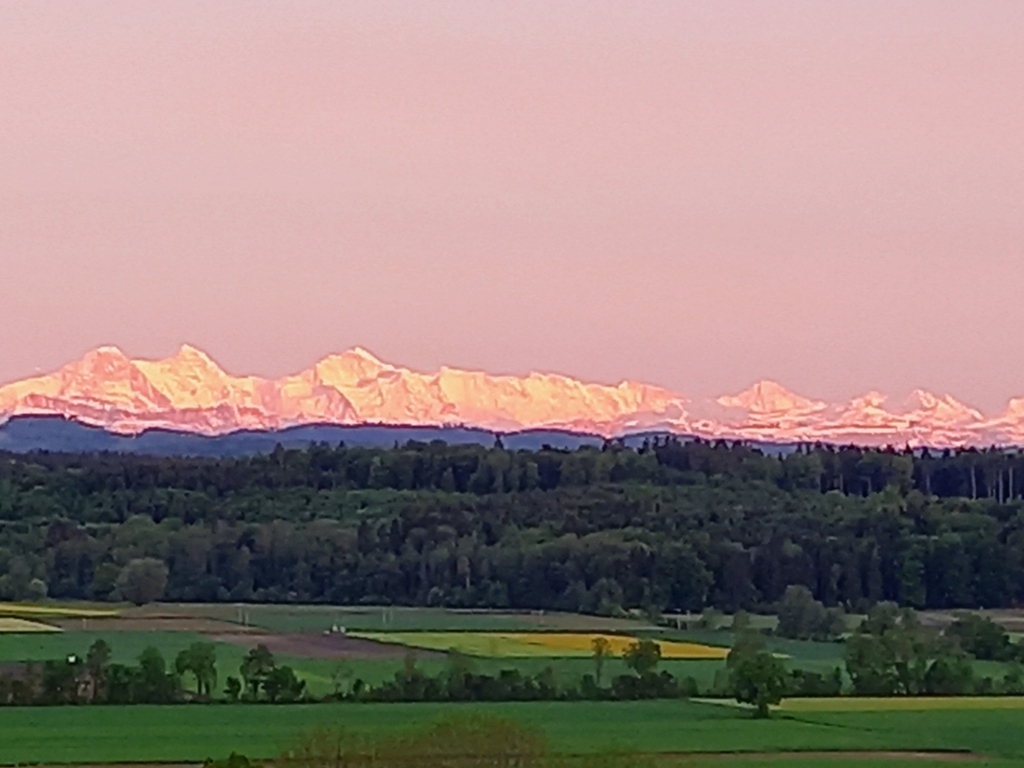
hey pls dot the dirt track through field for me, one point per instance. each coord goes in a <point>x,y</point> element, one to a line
<point>332,646</point>
<point>197,624</point>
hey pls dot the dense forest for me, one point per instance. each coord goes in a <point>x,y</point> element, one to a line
<point>671,526</point>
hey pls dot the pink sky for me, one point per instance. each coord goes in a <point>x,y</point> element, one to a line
<point>693,194</point>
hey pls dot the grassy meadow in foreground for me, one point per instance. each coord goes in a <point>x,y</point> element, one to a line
<point>904,703</point>
<point>104,734</point>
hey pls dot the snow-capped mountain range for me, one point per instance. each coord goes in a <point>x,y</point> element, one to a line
<point>189,392</point>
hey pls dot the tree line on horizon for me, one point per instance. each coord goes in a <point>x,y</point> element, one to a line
<point>973,473</point>
<point>96,679</point>
<point>670,526</point>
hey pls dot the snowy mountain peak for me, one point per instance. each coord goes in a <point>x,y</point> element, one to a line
<point>186,352</point>
<point>189,391</point>
<point>767,397</point>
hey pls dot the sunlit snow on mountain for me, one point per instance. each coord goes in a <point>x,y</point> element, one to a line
<point>189,392</point>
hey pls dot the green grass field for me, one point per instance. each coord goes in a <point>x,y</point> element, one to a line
<point>127,645</point>
<point>101,734</point>
<point>904,703</point>
<point>989,727</point>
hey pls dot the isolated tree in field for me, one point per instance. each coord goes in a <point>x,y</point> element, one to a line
<point>759,679</point>
<point>281,684</point>
<point>601,649</point>
<point>755,676</point>
<point>643,657</point>
<point>143,580</point>
<point>255,668</point>
<point>199,659</point>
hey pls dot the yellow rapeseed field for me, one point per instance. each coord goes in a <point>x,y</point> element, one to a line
<point>23,609</point>
<point>11,625</point>
<point>535,644</point>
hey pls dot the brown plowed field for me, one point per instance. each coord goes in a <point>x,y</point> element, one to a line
<point>312,646</point>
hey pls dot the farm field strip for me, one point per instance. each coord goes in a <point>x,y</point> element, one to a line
<point>27,609</point>
<point>318,618</point>
<point>256,617</point>
<point>535,644</point>
<point>10,625</point>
